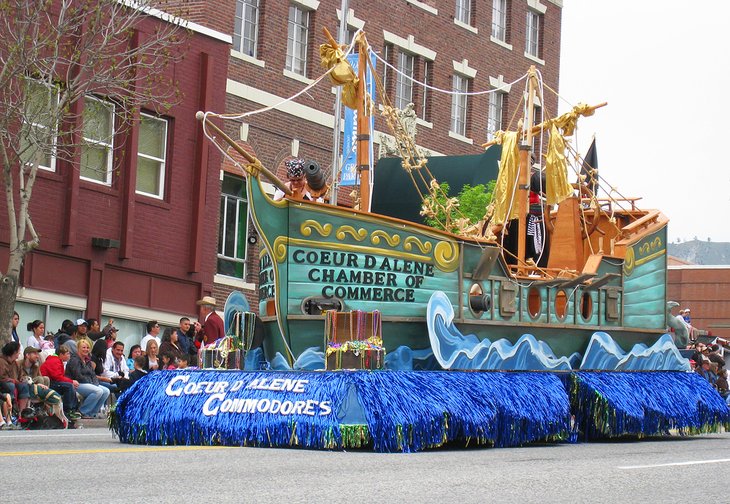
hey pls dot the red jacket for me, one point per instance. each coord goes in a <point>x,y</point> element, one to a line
<point>53,369</point>
<point>212,329</point>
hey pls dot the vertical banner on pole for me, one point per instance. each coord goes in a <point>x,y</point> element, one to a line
<point>349,176</point>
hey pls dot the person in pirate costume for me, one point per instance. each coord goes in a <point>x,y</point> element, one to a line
<point>297,182</point>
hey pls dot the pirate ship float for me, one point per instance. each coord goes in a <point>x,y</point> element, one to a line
<point>595,299</point>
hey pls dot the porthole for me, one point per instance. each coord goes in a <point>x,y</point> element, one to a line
<point>586,306</point>
<point>561,305</point>
<point>534,302</point>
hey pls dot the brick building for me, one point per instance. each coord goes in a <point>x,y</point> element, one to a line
<point>127,242</point>
<point>705,290</point>
<point>449,44</point>
<point>245,55</point>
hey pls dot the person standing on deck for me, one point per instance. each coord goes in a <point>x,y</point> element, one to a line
<point>211,328</point>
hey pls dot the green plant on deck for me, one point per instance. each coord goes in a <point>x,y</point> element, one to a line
<point>457,214</point>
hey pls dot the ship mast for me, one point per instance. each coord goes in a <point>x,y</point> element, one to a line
<point>524,172</point>
<point>363,127</point>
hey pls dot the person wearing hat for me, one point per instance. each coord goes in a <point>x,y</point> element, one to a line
<point>685,316</point>
<point>30,366</point>
<point>210,327</point>
<point>297,182</point>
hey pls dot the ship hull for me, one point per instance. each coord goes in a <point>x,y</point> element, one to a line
<point>317,257</point>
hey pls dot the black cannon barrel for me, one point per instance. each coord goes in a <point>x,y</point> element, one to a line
<point>315,175</point>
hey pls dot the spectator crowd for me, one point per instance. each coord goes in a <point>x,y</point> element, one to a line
<point>79,371</point>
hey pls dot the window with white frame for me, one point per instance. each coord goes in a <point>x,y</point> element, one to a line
<point>38,136</point>
<point>404,80</point>
<point>463,11</point>
<point>233,230</point>
<point>246,27</point>
<point>151,156</point>
<point>297,39</point>
<point>425,112</point>
<point>532,42</point>
<point>459,104</point>
<point>499,19</point>
<point>494,119</point>
<point>97,142</point>
<point>388,57</point>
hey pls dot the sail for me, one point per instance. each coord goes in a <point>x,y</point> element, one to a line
<point>505,205</point>
<point>589,168</point>
<point>556,169</point>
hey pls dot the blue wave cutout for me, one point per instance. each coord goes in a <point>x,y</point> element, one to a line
<point>453,350</point>
<point>605,354</point>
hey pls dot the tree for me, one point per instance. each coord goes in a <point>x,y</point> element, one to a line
<point>55,55</point>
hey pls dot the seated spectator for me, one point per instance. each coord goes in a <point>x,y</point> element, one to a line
<point>134,352</point>
<point>110,335</point>
<point>6,420</point>
<point>170,344</point>
<point>700,351</point>
<point>79,331</point>
<point>115,366</point>
<point>139,371</point>
<point>10,375</point>
<point>94,333</point>
<point>30,366</point>
<point>37,338</point>
<point>98,356</point>
<point>53,369</point>
<point>14,329</point>
<point>151,350</point>
<point>705,370</point>
<point>63,334</point>
<point>80,367</point>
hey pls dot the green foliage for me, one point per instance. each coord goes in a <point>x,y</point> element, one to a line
<point>448,213</point>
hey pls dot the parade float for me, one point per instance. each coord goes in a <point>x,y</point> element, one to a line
<point>465,336</point>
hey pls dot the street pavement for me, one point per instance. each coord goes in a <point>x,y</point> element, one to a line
<point>89,465</point>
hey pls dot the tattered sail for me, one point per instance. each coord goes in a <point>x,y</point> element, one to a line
<point>505,207</point>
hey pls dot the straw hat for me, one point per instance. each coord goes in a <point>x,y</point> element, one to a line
<point>206,301</point>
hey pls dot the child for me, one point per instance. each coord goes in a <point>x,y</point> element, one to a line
<point>182,362</point>
<point>139,363</point>
<point>168,361</point>
<point>7,406</point>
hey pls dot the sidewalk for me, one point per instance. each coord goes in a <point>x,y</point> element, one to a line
<point>94,423</point>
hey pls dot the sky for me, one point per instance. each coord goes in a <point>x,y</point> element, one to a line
<point>663,66</point>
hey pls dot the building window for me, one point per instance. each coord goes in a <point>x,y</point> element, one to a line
<point>96,148</point>
<point>38,137</point>
<point>151,156</point>
<point>494,120</point>
<point>463,11</point>
<point>233,229</point>
<point>532,43</point>
<point>425,112</point>
<point>499,19</point>
<point>246,29</point>
<point>459,105</point>
<point>296,46</point>
<point>388,58</point>
<point>404,80</point>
